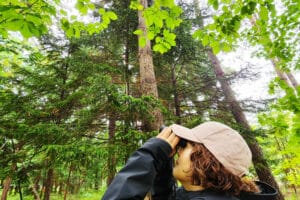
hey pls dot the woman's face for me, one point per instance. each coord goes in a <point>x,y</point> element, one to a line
<point>182,170</point>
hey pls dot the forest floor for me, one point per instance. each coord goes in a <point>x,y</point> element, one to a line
<point>85,195</point>
<point>96,195</point>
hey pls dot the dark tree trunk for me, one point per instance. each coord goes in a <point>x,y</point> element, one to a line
<point>260,164</point>
<point>48,184</point>
<point>111,161</point>
<point>68,182</point>
<point>126,59</point>
<point>20,190</point>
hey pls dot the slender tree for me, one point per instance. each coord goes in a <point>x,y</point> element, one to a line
<point>261,166</point>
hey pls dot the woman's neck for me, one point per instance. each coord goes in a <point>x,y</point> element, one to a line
<point>190,187</point>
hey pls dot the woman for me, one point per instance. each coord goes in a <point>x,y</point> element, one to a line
<point>211,163</point>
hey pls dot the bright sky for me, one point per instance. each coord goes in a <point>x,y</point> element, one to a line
<point>241,58</point>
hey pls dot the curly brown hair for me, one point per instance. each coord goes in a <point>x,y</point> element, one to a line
<point>211,174</point>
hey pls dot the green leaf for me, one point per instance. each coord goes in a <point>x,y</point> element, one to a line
<point>112,15</point>
<point>150,35</point>
<point>226,1</point>
<point>63,12</point>
<point>167,3</point>
<point>34,19</point>
<point>158,22</point>
<point>215,46</point>
<point>13,25</point>
<point>205,40</point>
<point>4,74</point>
<point>25,31</point>
<point>225,8</point>
<point>91,6</point>
<point>101,11</point>
<point>169,37</point>
<point>198,34</point>
<point>264,13</point>
<point>226,47</point>
<point>159,48</point>
<point>138,32</point>
<point>33,29</point>
<point>214,3</point>
<point>70,32</point>
<point>142,41</point>
<point>81,7</point>
<point>135,5</point>
<point>158,39</point>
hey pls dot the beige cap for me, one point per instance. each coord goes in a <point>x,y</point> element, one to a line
<point>226,144</point>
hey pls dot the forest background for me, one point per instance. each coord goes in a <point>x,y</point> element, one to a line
<point>78,97</point>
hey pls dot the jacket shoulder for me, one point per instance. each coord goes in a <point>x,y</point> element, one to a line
<point>267,192</point>
<point>182,194</point>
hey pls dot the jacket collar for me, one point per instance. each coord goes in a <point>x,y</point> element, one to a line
<point>267,193</point>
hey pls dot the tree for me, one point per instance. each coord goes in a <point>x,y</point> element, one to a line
<point>261,166</point>
<point>147,75</point>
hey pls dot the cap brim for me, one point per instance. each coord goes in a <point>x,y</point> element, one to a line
<point>183,132</point>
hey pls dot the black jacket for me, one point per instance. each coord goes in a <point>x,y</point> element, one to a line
<point>149,168</point>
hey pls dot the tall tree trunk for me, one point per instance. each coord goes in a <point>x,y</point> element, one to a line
<point>111,160</point>
<point>292,80</point>
<point>35,193</point>
<point>287,77</point>
<point>147,75</point>
<point>126,59</point>
<point>35,188</point>
<point>6,187</point>
<point>20,190</point>
<point>260,164</point>
<point>48,184</point>
<point>68,181</point>
<point>279,73</point>
<point>8,179</point>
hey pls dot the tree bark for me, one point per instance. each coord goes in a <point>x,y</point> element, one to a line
<point>111,161</point>
<point>48,184</point>
<point>126,60</point>
<point>68,182</point>
<point>260,164</point>
<point>8,179</point>
<point>147,75</point>
<point>35,193</point>
<point>6,187</point>
<point>292,80</point>
<point>280,74</point>
<point>35,188</point>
